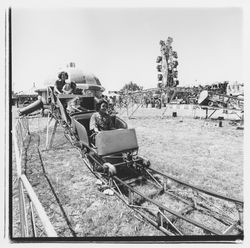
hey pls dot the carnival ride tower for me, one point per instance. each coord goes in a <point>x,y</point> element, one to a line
<point>167,65</point>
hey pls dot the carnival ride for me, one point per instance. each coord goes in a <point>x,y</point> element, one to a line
<point>115,161</point>
<point>216,96</point>
<point>226,96</point>
<point>211,101</point>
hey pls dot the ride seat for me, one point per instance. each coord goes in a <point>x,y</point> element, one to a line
<point>80,125</point>
<point>116,141</point>
<point>118,122</point>
<point>81,132</point>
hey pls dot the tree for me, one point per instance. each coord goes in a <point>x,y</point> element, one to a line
<point>131,87</point>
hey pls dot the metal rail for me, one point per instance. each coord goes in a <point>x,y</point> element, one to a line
<point>164,208</point>
<point>197,188</point>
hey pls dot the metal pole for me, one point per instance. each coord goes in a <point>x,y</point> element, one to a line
<point>162,115</point>
<point>33,223</point>
<point>130,197</point>
<point>240,211</point>
<point>21,208</point>
<point>17,152</point>
<point>161,212</point>
<point>138,106</point>
<point>47,134</point>
<point>53,134</point>
<point>41,213</point>
<point>23,215</point>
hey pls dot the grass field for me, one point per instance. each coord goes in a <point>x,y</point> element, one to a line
<point>193,150</point>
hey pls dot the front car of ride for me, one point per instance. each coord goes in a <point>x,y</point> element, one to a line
<point>118,147</point>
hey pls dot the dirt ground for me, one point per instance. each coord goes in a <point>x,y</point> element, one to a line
<point>193,150</point>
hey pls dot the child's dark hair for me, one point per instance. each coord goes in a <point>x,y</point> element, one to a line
<point>98,105</point>
<point>63,72</point>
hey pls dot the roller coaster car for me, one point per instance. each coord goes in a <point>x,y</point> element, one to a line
<point>114,151</point>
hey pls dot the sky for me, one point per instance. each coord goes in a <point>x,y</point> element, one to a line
<point>120,45</point>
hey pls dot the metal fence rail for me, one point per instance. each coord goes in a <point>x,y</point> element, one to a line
<point>28,200</point>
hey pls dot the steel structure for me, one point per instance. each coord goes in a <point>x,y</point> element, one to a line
<point>167,65</point>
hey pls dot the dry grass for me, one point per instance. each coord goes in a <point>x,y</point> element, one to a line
<point>206,156</point>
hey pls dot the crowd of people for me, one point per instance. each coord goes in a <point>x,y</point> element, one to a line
<point>159,98</point>
<point>144,99</point>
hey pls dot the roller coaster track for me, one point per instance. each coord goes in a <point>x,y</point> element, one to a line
<point>174,207</point>
<point>192,199</point>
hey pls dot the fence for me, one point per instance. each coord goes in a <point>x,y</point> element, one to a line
<point>31,209</point>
